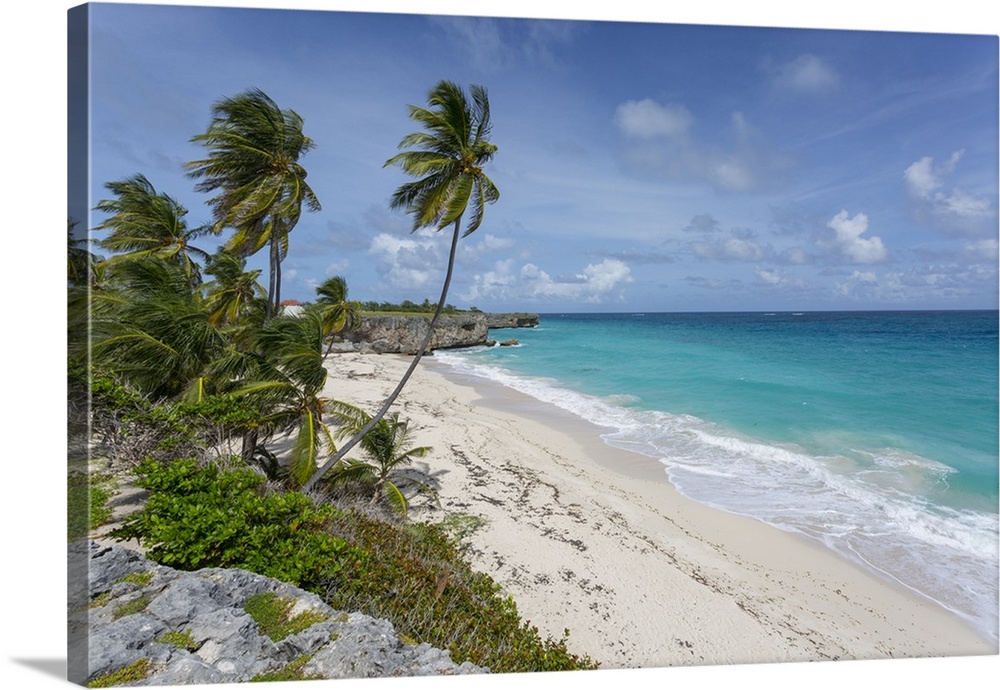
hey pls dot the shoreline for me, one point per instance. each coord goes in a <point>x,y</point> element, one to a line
<point>641,466</point>
<point>595,539</point>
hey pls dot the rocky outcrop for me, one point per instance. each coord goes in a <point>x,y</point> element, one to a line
<point>403,334</point>
<point>512,320</point>
<point>181,628</point>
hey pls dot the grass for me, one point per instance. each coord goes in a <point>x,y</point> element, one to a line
<point>292,671</point>
<point>142,579</point>
<point>272,615</point>
<point>137,670</point>
<point>136,605</point>
<point>179,639</point>
<point>99,600</point>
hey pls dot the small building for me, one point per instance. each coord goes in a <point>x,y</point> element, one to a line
<point>291,307</point>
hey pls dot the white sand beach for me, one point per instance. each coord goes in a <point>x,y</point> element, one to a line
<point>595,540</point>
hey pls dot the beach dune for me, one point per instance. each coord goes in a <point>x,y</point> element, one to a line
<point>595,540</point>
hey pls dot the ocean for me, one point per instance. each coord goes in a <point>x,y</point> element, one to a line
<point>875,433</point>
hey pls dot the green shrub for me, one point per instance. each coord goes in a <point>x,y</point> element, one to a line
<point>416,579</point>
<point>411,574</point>
<point>200,516</point>
<point>130,427</point>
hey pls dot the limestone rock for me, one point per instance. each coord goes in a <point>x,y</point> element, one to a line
<point>225,644</point>
<point>403,334</point>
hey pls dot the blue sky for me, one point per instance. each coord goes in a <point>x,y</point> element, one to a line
<point>642,166</point>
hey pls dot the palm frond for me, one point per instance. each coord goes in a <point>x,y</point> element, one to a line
<point>302,461</point>
<point>447,156</point>
<point>396,498</point>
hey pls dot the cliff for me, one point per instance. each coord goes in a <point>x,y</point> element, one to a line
<point>403,334</point>
<point>512,320</point>
<point>168,627</point>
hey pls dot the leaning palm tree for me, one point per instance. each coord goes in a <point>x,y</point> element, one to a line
<point>448,157</point>
<point>337,311</point>
<point>387,451</point>
<point>253,163</point>
<point>146,224</point>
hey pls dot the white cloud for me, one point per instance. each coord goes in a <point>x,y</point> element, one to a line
<point>489,243</point>
<point>944,204</point>
<point>796,256</point>
<point>768,277</point>
<point>949,285</point>
<point>409,262</point>
<point>659,141</point>
<point>920,178</point>
<point>983,249</point>
<point>735,174</point>
<point>849,241</point>
<point>859,284</point>
<point>604,277</point>
<point>479,38</point>
<point>595,283</point>
<point>733,249</point>
<point>647,119</point>
<point>963,205</point>
<point>806,74</point>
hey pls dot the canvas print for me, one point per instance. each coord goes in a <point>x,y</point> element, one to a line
<point>406,345</point>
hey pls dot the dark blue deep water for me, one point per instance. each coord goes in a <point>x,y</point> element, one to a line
<point>875,433</point>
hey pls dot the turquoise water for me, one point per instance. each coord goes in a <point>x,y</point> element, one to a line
<point>875,433</point>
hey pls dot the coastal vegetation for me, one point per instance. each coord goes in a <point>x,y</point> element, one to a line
<point>411,574</point>
<point>190,381</point>
<point>409,307</point>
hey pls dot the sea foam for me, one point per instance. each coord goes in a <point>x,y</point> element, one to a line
<point>882,523</point>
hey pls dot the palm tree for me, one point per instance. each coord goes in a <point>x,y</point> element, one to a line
<point>253,152</point>
<point>80,260</point>
<point>289,385</point>
<point>448,157</point>
<point>144,224</point>
<point>234,289</point>
<point>149,327</point>
<point>387,447</point>
<point>337,311</point>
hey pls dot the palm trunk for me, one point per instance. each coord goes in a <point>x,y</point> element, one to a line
<point>271,307</point>
<point>249,446</point>
<point>318,474</point>
<point>277,282</point>
<point>274,284</point>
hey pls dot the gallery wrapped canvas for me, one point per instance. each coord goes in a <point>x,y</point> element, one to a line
<point>417,344</point>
